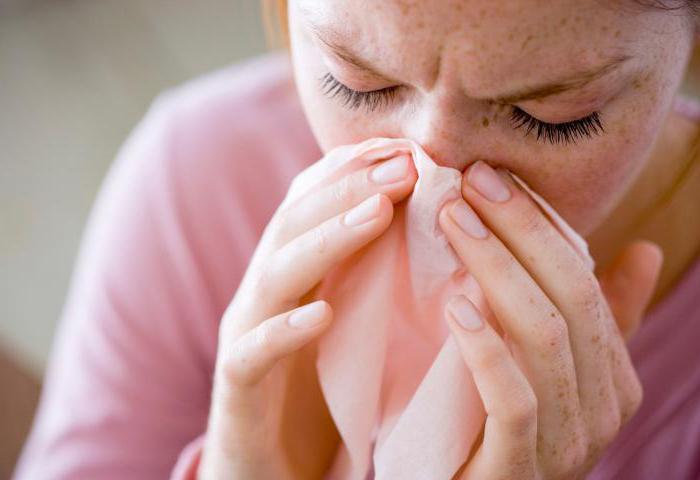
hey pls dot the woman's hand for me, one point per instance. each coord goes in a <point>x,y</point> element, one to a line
<point>268,419</point>
<point>560,387</point>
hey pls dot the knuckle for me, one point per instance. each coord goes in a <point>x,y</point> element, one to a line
<point>604,426</point>
<point>522,415</point>
<point>320,238</point>
<point>342,190</point>
<point>611,427</point>
<point>277,230</point>
<point>262,283</point>
<point>502,262</point>
<point>262,338</point>
<point>237,365</point>
<point>586,294</point>
<point>530,218</point>
<point>489,361</point>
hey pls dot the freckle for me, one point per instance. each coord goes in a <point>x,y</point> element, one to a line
<point>617,34</point>
<point>595,338</point>
<point>566,413</point>
<point>529,37</point>
<point>485,122</point>
<point>563,21</point>
<point>405,6</point>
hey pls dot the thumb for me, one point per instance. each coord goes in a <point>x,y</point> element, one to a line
<point>629,282</point>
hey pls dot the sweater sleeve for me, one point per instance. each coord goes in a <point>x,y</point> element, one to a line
<point>129,378</point>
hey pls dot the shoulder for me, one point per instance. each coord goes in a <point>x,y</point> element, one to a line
<point>165,247</point>
<point>237,134</point>
<point>237,98</point>
<point>202,173</point>
<point>241,117</point>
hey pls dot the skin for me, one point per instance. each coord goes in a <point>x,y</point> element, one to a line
<point>491,48</point>
<point>560,390</point>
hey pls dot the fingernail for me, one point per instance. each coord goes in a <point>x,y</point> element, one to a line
<point>390,171</point>
<point>464,312</point>
<point>467,220</point>
<point>307,316</point>
<point>363,213</point>
<point>487,182</point>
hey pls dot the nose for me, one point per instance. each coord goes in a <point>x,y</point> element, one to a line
<point>447,129</point>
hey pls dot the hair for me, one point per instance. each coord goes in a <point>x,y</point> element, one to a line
<point>276,24</point>
<point>277,28</point>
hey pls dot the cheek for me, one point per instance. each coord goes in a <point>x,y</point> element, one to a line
<point>333,127</point>
<point>331,123</point>
<point>585,188</point>
<point>587,185</point>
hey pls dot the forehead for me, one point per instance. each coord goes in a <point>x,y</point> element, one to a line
<point>485,36</point>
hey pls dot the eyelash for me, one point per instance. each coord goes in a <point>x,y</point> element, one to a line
<point>354,99</point>
<point>555,133</point>
<point>567,132</point>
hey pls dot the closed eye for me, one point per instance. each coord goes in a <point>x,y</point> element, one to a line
<point>354,99</point>
<point>553,133</point>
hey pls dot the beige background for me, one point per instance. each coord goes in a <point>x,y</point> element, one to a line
<point>75,77</point>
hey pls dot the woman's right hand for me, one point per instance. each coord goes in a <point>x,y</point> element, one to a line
<point>267,418</point>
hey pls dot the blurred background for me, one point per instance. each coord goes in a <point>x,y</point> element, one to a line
<point>75,77</point>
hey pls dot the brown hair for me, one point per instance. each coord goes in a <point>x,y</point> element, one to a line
<point>275,22</point>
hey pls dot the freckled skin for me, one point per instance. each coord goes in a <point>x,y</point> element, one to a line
<point>446,54</point>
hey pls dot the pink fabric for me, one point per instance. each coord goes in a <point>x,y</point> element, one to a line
<point>176,221</point>
<point>387,365</point>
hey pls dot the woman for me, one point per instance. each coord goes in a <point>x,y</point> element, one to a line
<point>579,98</point>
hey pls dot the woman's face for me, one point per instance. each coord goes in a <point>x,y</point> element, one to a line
<point>467,78</point>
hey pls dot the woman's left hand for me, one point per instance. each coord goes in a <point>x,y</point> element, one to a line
<point>559,388</point>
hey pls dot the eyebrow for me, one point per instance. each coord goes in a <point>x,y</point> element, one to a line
<point>572,82</point>
<point>329,38</point>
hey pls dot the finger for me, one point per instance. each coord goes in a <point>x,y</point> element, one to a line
<point>564,277</point>
<point>254,354</point>
<point>509,446</point>
<point>629,282</point>
<point>628,386</point>
<point>288,273</point>
<point>394,178</point>
<point>538,331</point>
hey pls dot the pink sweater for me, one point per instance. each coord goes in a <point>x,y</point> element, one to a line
<point>128,386</point>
